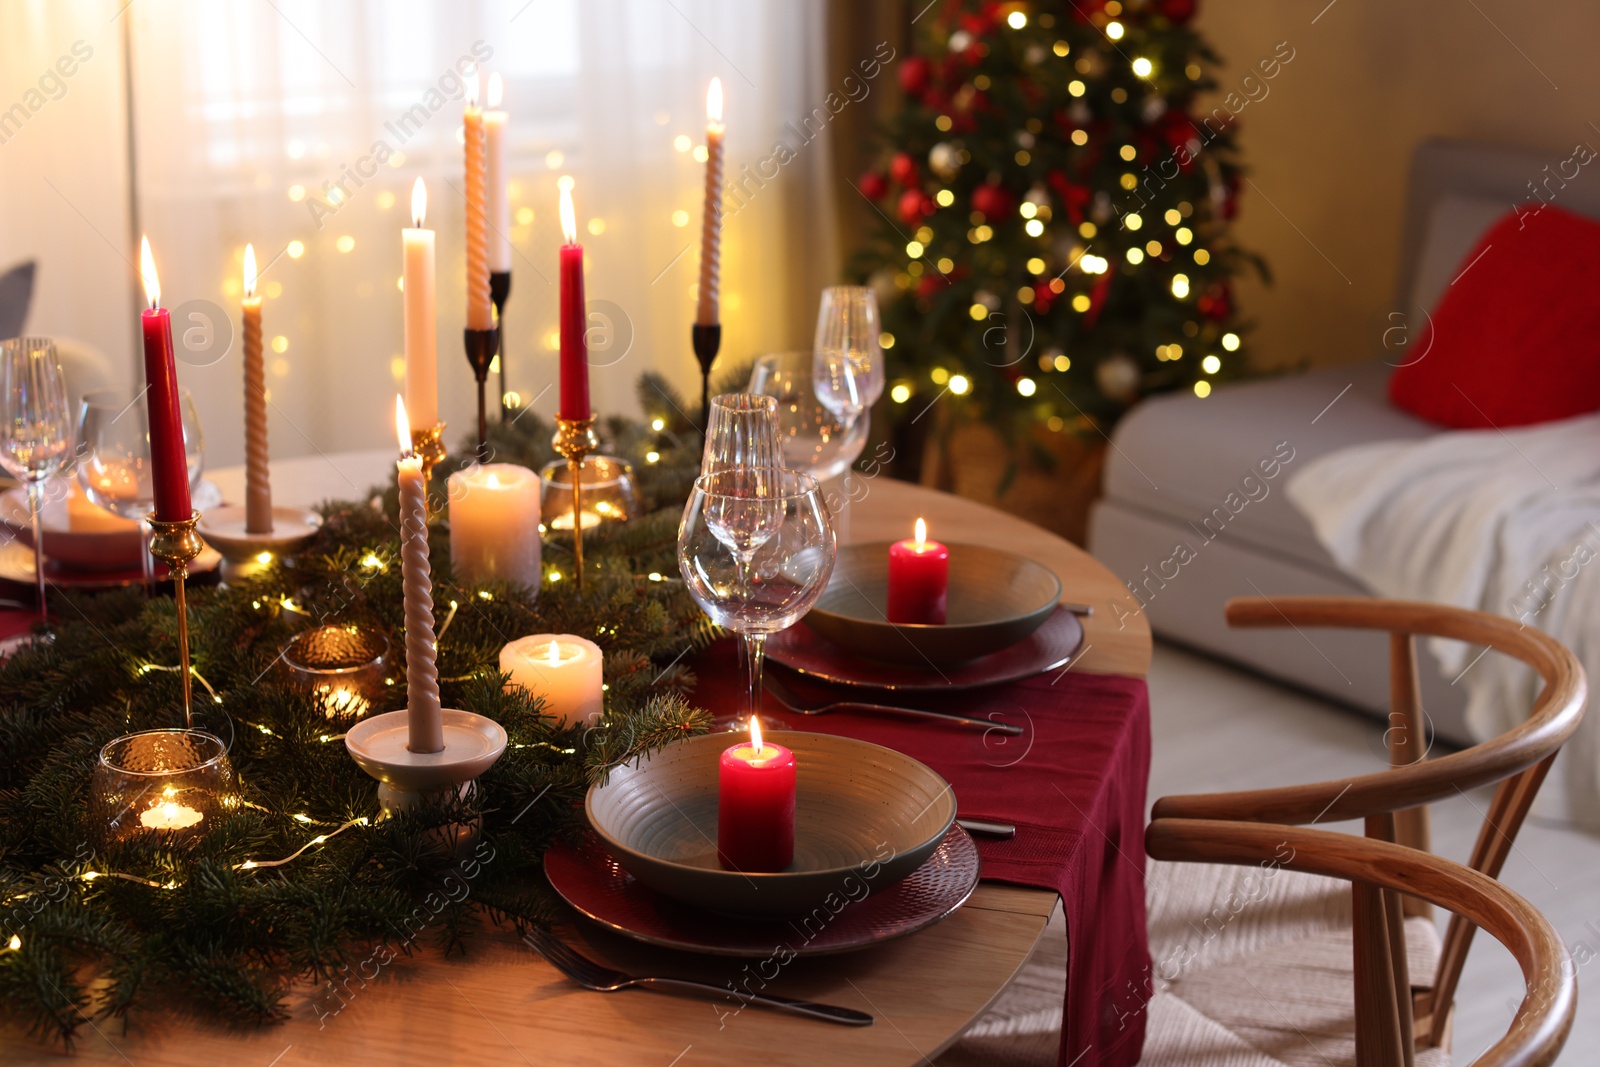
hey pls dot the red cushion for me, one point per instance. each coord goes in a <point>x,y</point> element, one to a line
<point>1515,340</point>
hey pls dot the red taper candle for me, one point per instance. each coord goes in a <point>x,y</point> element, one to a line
<point>919,578</point>
<point>574,318</point>
<point>755,805</point>
<point>169,467</point>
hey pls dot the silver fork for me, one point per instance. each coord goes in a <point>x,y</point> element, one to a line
<point>789,700</point>
<point>592,975</point>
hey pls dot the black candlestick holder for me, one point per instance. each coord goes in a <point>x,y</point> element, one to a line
<point>707,339</point>
<point>499,289</point>
<point>481,346</point>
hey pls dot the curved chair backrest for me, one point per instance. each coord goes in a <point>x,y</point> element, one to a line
<point>1393,802</point>
<point>1379,871</point>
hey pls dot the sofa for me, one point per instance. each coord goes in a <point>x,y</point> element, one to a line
<point>1194,509</point>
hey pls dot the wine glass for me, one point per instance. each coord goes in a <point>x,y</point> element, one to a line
<point>742,432</point>
<point>846,359</point>
<point>114,456</point>
<point>756,548</point>
<point>813,439</point>
<point>35,428</point>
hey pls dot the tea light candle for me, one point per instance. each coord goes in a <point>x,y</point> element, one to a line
<point>919,578</point>
<point>755,805</point>
<point>169,815</point>
<point>494,524</point>
<point>562,668</point>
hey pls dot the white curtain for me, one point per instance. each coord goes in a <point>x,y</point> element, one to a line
<point>249,115</point>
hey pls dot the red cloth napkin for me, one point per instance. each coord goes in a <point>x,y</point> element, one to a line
<point>14,621</point>
<point>1074,785</point>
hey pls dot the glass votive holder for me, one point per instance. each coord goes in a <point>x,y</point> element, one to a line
<point>160,781</point>
<point>608,493</point>
<point>342,665</point>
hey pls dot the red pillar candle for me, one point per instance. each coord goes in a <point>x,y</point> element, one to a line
<point>919,577</point>
<point>755,805</point>
<point>574,318</point>
<point>169,467</point>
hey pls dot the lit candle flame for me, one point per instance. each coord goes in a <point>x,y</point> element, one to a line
<point>496,90</point>
<point>569,219</point>
<point>922,533</point>
<point>554,654</point>
<point>147,270</point>
<point>714,105</point>
<point>402,426</point>
<point>471,83</point>
<point>249,271</point>
<point>755,735</point>
<point>419,203</point>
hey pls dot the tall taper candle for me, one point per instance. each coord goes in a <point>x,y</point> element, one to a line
<point>494,127</point>
<point>423,718</point>
<point>480,315</point>
<point>422,327</point>
<point>707,310</point>
<point>257,483</point>
<point>574,317</point>
<point>169,465</point>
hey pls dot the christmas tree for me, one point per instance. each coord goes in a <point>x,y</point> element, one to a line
<point>1054,240</point>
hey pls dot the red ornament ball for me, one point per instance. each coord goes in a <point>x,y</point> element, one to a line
<point>914,74</point>
<point>1177,11</point>
<point>1216,303</point>
<point>991,198</point>
<point>915,205</point>
<point>873,185</point>
<point>903,169</point>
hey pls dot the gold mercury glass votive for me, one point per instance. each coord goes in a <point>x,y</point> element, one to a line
<point>342,664</point>
<point>160,781</point>
<point>608,492</point>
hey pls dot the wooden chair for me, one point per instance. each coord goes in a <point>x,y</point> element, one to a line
<point>1392,804</point>
<point>1380,871</point>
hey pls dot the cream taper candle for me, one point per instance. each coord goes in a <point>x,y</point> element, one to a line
<point>424,720</point>
<point>480,314</point>
<point>499,196</point>
<point>562,668</point>
<point>422,329</point>
<point>707,310</point>
<point>257,483</point>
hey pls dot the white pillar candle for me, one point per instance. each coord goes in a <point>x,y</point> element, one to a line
<point>422,355</point>
<point>494,524</point>
<point>494,126</point>
<point>562,668</point>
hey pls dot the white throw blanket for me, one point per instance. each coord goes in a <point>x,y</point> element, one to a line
<point>1505,522</point>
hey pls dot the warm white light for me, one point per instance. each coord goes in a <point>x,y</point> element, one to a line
<point>1230,341</point>
<point>960,384</point>
<point>470,81</point>
<point>755,735</point>
<point>402,425</point>
<point>249,271</point>
<point>1211,364</point>
<point>419,203</point>
<point>147,270</point>
<point>1027,386</point>
<point>496,89</point>
<point>1114,30</point>
<point>714,105</point>
<point>569,218</point>
<point>1016,20</point>
<point>922,532</point>
<point>553,655</point>
<point>1142,67</point>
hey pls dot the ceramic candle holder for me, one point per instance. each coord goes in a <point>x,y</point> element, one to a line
<point>245,554</point>
<point>175,782</point>
<point>406,779</point>
<point>344,665</point>
<point>608,493</point>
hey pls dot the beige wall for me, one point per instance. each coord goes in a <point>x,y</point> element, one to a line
<point>1330,143</point>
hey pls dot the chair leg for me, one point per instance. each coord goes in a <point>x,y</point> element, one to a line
<point>1378,1041</point>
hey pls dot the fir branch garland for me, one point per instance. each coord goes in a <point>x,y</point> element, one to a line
<point>218,923</point>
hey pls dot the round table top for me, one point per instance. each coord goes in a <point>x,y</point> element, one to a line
<point>506,1005</point>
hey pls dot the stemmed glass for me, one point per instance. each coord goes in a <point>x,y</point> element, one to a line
<point>114,456</point>
<point>35,428</point>
<point>847,362</point>
<point>813,439</point>
<point>756,548</point>
<point>742,432</point>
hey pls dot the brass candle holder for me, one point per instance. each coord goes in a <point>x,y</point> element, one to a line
<point>574,439</point>
<point>176,544</point>
<point>428,444</point>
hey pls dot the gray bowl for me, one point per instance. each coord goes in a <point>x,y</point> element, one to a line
<point>996,599</point>
<point>865,817</point>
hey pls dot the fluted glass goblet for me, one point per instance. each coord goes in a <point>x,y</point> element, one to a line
<point>35,428</point>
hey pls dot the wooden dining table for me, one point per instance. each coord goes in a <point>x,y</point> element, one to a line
<point>502,1004</point>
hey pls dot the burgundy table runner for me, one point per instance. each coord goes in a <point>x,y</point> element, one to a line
<point>1073,784</point>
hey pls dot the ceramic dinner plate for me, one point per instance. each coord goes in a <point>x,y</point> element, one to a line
<point>1050,647</point>
<point>590,879</point>
<point>16,565</point>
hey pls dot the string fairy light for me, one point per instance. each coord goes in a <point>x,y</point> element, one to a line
<point>252,865</point>
<point>146,668</point>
